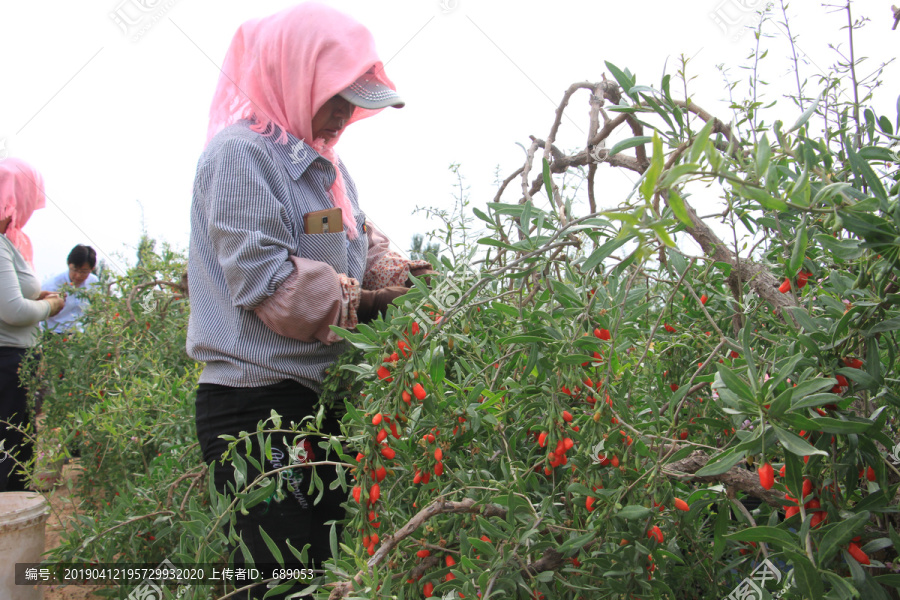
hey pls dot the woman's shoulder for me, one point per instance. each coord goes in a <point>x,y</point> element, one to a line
<point>7,250</point>
<point>235,140</point>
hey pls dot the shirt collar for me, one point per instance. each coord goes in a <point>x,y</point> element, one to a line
<point>296,156</point>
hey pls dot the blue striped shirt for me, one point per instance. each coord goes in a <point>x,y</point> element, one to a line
<point>250,195</point>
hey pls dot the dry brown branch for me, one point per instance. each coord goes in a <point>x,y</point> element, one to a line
<point>608,128</point>
<point>506,182</point>
<point>550,561</point>
<point>757,276</point>
<point>554,129</point>
<point>718,127</point>
<point>102,534</point>
<point>175,483</point>
<point>737,477</point>
<point>134,291</point>
<point>438,507</point>
<point>424,566</point>
<point>592,173</point>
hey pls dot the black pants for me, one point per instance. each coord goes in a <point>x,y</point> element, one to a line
<point>14,410</point>
<point>225,410</point>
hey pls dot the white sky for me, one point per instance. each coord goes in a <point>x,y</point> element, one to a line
<point>116,126</point>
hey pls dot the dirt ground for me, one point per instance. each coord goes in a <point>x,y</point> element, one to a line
<point>62,508</point>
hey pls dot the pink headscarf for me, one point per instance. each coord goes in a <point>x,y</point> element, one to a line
<point>21,193</point>
<point>279,70</point>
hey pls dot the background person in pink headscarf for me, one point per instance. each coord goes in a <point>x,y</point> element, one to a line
<point>268,275</point>
<point>22,307</point>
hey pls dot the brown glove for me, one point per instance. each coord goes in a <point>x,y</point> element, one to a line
<point>372,302</point>
<point>420,272</point>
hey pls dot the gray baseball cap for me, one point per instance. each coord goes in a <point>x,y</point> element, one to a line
<point>368,92</point>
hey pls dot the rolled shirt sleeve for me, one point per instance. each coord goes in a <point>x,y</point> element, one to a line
<point>384,267</point>
<point>289,311</point>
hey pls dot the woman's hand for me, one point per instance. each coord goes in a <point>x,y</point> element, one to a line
<point>56,302</point>
<point>425,272</point>
<point>373,302</point>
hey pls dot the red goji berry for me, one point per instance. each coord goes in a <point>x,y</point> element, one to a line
<point>857,553</point>
<point>766,476</point>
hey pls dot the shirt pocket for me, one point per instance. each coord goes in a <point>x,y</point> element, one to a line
<point>329,248</point>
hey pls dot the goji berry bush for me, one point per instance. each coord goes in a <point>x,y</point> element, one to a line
<point>596,397</point>
<point>580,407</point>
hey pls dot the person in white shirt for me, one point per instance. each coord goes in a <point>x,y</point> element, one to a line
<point>82,260</point>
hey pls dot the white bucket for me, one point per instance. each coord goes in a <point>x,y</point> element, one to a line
<point>22,519</point>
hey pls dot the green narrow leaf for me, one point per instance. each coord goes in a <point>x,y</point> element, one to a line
<point>601,253</point>
<point>782,402</point>
<point>793,471</point>
<point>525,219</point>
<point>722,523</point>
<point>633,511</point>
<point>865,169</point>
<point>803,318</point>
<point>815,400</point>
<point>873,359</point>
<point>766,200</point>
<point>841,589</point>
<point>548,181</point>
<point>891,580</point>
<point>809,112</point>
<point>260,494</point>
<point>829,425</point>
<point>735,383</point>
<point>783,370</point>
<point>800,190</point>
<point>769,535</point>
<point>577,541</point>
<point>332,541</point>
<point>481,215</point>
<point>721,463</point>
<point>651,175</point>
<point>763,155</point>
<point>895,537</point>
<point>700,141</point>
<point>841,249</point>
<point>796,444</point>
<point>749,359</point>
<point>839,534</point>
<point>663,113</point>
<point>675,174</point>
<point>662,235</point>
<point>240,470</point>
<point>273,547</point>
<point>799,251</point>
<point>437,365</point>
<point>858,376</point>
<point>676,203</point>
<point>623,80</point>
<point>630,143</point>
<point>806,577</point>
<point>888,325</point>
